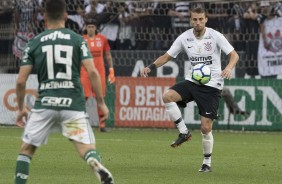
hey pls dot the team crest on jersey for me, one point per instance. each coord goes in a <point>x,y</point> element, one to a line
<point>99,44</point>
<point>208,46</point>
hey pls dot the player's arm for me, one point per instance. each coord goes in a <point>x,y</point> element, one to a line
<point>96,85</point>
<point>233,59</point>
<point>160,61</point>
<point>109,60</point>
<point>227,48</point>
<point>20,92</point>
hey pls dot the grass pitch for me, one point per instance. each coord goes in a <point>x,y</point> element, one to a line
<point>145,157</point>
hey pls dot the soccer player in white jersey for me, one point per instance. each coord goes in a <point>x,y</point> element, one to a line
<point>57,55</point>
<point>202,45</point>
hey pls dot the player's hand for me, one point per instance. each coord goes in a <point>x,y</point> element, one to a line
<point>226,73</point>
<point>22,118</point>
<point>144,72</point>
<point>103,107</point>
<point>111,77</point>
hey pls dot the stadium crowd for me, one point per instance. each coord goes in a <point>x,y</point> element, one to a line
<point>146,25</point>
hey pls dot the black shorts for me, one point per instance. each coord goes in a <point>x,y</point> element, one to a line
<point>206,97</point>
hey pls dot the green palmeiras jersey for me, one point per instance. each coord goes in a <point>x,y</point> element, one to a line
<point>56,56</point>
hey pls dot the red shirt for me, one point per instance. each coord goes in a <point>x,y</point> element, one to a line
<point>97,46</point>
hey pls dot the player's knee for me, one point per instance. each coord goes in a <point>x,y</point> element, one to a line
<point>206,128</point>
<point>27,149</point>
<point>168,97</point>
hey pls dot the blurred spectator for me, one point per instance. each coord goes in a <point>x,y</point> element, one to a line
<point>75,21</point>
<point>110,23</point>
<point>6,32</point>
<point>25,17</point>
<point>218,14</point>
<point>143,23</point>
<point>270,41</point>
<point>75,10</point>
<point>94,8</point>
<point>278,9</point>
<point>6,17</point>
<point>162,25</point>
<point>252,37</point>
<point>126,37</point>
<point>86,3</point>
<point>237,29</point>
<point>40,17</point>
<point>6,11</point>
<point>181,17</point>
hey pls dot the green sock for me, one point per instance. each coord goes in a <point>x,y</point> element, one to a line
<point>92,154</point>
<point>22,169</point>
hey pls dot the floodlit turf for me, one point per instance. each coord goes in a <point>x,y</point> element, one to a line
<point>145,157</point>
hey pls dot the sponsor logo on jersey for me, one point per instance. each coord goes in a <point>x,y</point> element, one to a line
<point>56,101</point>
<point>207,58</point>
<point>197,60</point>
<point>53,36</point>
<point>206,63</point>
<point>190,39</point>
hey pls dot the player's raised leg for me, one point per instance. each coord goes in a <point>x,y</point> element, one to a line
<point>170,98</point>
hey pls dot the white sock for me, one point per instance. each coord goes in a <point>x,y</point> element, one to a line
<point>207,142</point>
<point>175,115</point>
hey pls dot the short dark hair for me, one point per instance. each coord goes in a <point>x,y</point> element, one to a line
<point>199,9</point>
<point>91,21</point>
<point>55,9</point>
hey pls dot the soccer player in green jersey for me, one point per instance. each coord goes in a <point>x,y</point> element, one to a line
<point>57,55</point>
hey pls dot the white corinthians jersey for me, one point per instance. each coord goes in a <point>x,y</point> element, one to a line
<point>205,50</point>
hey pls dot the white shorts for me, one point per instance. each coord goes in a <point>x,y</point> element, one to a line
<point>72,124</point>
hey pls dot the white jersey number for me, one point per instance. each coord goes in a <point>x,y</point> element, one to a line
<point>59,59</point>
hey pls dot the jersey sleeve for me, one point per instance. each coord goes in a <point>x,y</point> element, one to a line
<point>84,50</point>
<point>106,45</point>
<point>223,43</point>
<point>176,47</point>
<point>27,58</point>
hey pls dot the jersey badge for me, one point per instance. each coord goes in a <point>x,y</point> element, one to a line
<point>99,44</point>
<point>208,46</point>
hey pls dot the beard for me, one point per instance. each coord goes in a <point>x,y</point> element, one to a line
<point>198,29</point>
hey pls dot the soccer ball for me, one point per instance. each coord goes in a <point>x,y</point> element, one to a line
<point>201,73</point>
